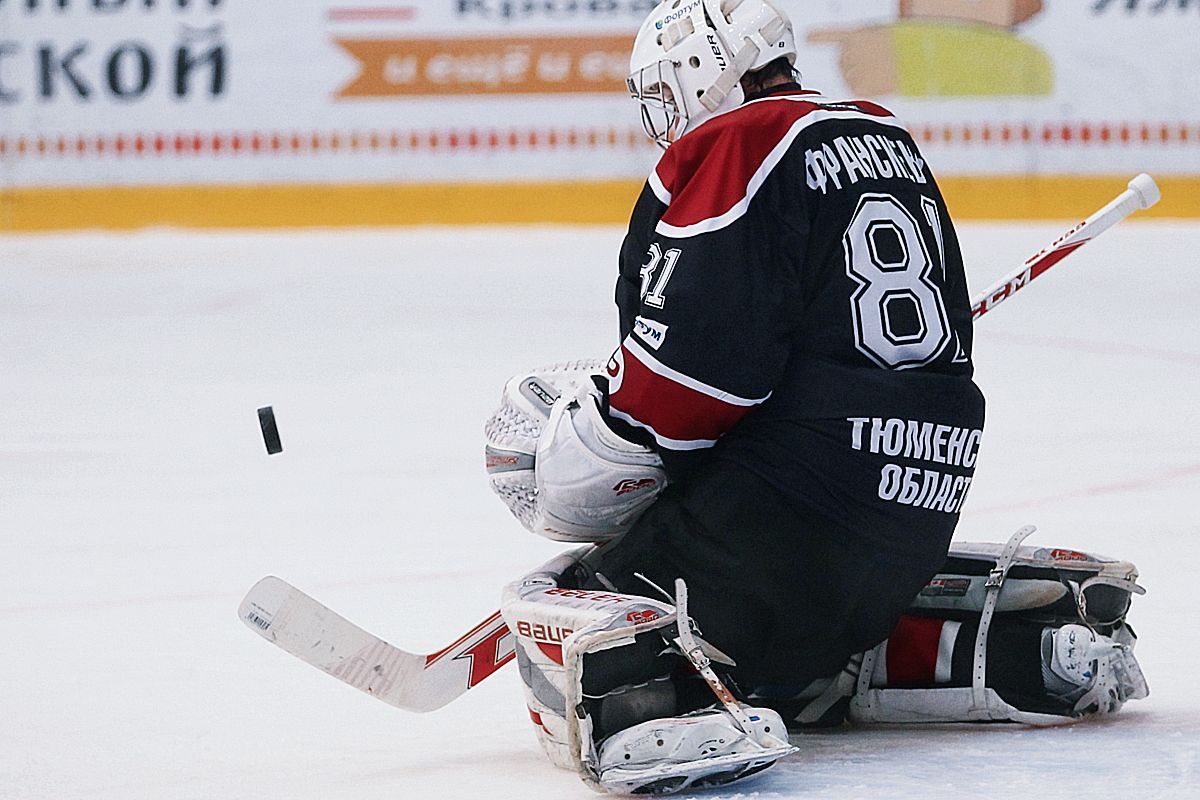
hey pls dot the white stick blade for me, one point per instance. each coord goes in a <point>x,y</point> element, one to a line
<point>262,603</point>
<point>298,624</point>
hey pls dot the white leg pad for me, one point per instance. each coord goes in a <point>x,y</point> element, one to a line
<point>554,629</point>
<point>1103,668</point>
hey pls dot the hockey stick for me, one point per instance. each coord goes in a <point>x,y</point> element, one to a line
<point>298,624</point>
<point>295,622</point>
<point>1142,193</point>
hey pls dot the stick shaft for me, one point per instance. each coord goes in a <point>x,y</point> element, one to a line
<point>1141,194</point>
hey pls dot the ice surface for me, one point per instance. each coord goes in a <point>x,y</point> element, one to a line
<point>137,504</point>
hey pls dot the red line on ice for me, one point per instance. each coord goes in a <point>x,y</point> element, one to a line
<point>1100,347</point>
<point>1132,485</point>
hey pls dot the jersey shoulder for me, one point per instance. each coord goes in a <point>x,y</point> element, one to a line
<point>708,178</point>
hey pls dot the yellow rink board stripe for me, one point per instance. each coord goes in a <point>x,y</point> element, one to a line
<point>565,202</point>
<point>1060,196</point>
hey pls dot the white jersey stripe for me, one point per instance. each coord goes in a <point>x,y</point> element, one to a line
<point>661,369</point>
<point>660,191</point>
<point>665,441</point>
<point>760,176</point>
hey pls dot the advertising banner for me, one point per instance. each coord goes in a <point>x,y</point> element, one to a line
<point>134,94</point>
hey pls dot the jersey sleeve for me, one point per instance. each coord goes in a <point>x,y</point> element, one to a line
<point>708,309</point>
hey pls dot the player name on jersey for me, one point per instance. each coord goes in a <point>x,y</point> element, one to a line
<point>850,159</point>
<point>920,487</point>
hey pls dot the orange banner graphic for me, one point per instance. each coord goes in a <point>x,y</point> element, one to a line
<point>528,65</point>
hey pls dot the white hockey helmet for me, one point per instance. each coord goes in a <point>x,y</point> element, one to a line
<point>690,55</point>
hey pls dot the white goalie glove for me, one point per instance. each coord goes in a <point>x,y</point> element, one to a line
<point>556,464</point>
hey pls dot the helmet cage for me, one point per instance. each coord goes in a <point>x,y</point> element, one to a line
<point>657,90</point>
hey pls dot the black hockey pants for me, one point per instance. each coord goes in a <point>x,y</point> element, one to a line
<point>791,596</point>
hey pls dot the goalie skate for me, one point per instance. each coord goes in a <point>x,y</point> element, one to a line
<point>704,748</point>
<point>1095,673</point>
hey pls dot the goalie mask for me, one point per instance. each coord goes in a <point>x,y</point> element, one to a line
<point>690,55</point>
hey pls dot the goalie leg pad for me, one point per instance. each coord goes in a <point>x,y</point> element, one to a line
<point>1087,668</point>
<point>1083,674</point>
<point>554,629</point>
<point>1056,586</point>
<point>1064,651</point>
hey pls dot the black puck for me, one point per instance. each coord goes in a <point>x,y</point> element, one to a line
<point>270,431</point>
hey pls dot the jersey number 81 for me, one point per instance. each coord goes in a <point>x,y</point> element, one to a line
<point>899,316</point>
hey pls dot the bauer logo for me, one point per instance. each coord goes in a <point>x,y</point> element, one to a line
<point>591,597</point>
<point>716,49</point>
<point>545,634</point>
<point>547,638</point>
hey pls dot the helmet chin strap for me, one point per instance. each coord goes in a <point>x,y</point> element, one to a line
<point>715,95</point>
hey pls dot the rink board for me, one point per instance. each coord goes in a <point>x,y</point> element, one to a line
<point>343,115</point>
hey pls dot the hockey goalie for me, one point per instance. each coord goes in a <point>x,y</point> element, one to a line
<point>765,478</point>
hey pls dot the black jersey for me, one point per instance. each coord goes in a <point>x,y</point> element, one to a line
<point>792,300</point>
